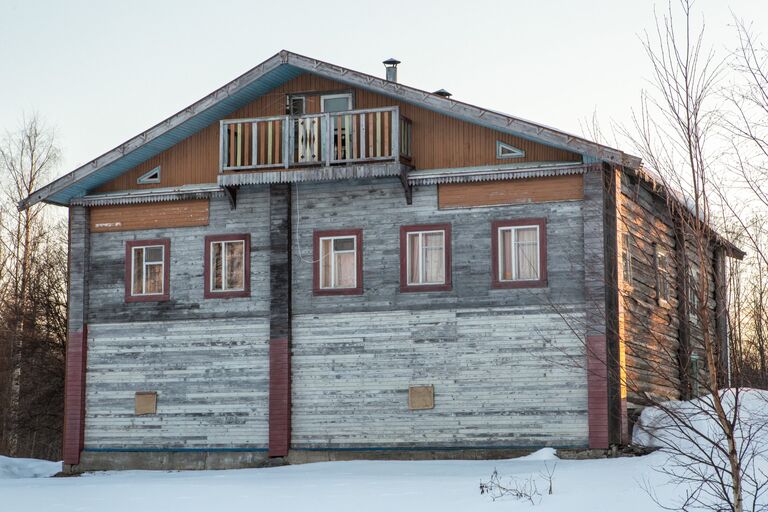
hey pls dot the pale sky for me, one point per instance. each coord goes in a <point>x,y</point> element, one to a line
<point>101,72</point>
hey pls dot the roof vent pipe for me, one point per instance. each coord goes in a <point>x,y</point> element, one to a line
<point>443,93</point>
<point>391,66</point>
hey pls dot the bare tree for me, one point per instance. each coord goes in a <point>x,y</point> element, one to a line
<point>676,133</point>
<point>32,274</point>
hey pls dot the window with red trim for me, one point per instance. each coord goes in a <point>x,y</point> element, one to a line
<point>338,262</point>
<point>425,258</point>
<point>147,270</point>
<point>227,268</point>
<point>519,253</point>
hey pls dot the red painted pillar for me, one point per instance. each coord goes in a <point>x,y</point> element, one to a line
<point>597,392</point>
<point>74,396</point>
<point>279,397</point>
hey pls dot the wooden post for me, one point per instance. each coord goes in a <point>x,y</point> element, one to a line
<point>222,145</point>
<point>328,139</point>
<point>287,141</point>
<point>280,319</point>
<point>74,386</point>
<point>396,134</point>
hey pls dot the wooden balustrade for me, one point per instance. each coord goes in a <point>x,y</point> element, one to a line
<point>354,136</point>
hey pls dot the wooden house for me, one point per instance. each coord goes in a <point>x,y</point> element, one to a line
<point>315,263</point>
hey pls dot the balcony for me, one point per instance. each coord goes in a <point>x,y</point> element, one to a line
<point>341,139</point>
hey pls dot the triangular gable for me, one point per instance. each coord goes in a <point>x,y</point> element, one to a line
<point>439,141</point>
<point>268,75</point>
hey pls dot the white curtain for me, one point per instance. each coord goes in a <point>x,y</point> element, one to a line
<point>345,270</point>
<point>434,258</point>
<point>527,245</point>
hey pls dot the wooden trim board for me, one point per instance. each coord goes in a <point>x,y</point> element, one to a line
<point>495,193</point>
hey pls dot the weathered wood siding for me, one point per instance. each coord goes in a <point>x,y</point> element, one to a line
<point>439,141</point>
<point>507,364</point>
<point>507,367</point>
<point>207,359</point>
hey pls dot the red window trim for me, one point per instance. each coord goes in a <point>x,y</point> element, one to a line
<point>129,246</point>
<point>316,236</point>
<point>539,283</point>
<point>246,291</point>
<point>404,286</point>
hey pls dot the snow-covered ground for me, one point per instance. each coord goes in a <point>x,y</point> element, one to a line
<point>588,485</point>
<point>592,485</point>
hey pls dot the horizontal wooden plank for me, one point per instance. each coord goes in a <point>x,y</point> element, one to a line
<point>492,193</point>
<point>172,214</point>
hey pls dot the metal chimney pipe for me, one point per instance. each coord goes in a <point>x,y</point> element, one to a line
<point>391,67</point>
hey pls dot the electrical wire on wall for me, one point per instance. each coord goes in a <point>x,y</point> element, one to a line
<point>298,228</point>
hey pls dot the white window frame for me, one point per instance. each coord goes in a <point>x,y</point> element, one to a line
<point>144,270</point>
<point>324,97</point>
<point>303,99</point>
<point>421,257</point>
<point>212,267</point>
<point>333,267</point>
<point>513,152</point>
<point>500,250</point>
<point>148,178</point>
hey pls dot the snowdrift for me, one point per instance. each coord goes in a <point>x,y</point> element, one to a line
<point>693,424</point>
<point>27,468</point>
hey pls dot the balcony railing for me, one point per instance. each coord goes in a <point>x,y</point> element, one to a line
<point>355,136</point>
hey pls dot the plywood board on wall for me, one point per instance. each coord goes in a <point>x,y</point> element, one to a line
<point>421,397</point>
<point>146,403</point>
<point>129,217</point>
<point>494,193</point>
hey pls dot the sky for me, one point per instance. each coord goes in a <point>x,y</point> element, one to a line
<point>100,72</point>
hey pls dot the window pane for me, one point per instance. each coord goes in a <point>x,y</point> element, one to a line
<point>344,244</point>
<point>154,278</point>
<point>335,104</point>
<point>505,246</point>
<point>325,263</point>
<point>345,270</point>
<point>527,254</point>
<point>413,258</point>
<point>235,274</point>
<point>154,254</point>
<point>433,258</point>
<point>138,271</point>
<point>217,266</point>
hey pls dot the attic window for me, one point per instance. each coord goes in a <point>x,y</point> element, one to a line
<point>152,176</point>
<point>504,151</point>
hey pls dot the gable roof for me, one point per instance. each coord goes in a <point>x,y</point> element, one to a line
<point>272,73</point>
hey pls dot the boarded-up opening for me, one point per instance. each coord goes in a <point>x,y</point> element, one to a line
<point>421,397</point>
<point>146,402</point>
<point>495,193</point>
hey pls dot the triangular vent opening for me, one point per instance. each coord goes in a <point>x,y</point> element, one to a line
<point>152,176</point>
<point>504,150</point>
